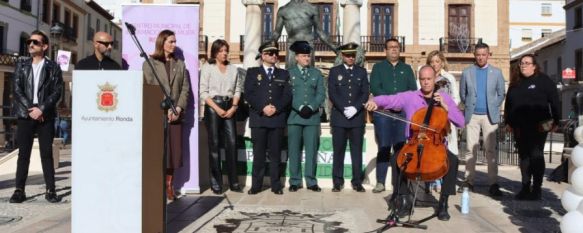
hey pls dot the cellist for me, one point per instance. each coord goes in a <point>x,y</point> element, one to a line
<point>410,102</point>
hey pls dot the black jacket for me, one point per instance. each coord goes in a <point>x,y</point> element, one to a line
<point>260,92</point>
<point>92,63</point>
<point>49,91</point>
<point>345,91</point>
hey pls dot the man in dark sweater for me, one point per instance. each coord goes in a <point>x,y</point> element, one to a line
<point>100,60</point>
<point>389,77</point>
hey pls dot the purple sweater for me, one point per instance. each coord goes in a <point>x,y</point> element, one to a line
<point>411,101</point>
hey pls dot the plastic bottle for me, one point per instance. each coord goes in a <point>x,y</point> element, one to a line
<point>465,205</point>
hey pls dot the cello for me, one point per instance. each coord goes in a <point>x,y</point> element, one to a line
<point>425,149</point>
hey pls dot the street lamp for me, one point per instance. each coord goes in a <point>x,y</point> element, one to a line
<point>56,32</point>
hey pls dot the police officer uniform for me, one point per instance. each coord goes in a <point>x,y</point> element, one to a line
<point>267,86</point>
<point>348,89</point>
<point>304,121</point>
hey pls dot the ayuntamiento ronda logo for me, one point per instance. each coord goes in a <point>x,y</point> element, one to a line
<point>107,97</point>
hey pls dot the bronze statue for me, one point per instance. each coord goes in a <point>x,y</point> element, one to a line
<point>300,19</point>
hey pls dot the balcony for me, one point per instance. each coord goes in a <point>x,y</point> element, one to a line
<point>8,58</point>
<point>59,29</point>
<point>369,43</point>
<point>458,45</point>
<point>203,42</point>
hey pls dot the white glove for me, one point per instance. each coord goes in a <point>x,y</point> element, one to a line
<point>349,111</point>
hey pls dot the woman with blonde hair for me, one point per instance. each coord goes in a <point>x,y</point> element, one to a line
<point>445,82</point>
<point>172,74</point>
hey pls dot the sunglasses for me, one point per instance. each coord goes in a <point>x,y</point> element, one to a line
<point>106,43</point>
<point>271,53</point>
<point>33,41</point>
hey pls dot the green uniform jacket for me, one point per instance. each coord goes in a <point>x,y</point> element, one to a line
<point>308,91</point>
<point>386,79</point>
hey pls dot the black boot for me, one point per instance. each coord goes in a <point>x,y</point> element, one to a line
<point>536,193</point>
<point>524,192</point>
<point>442,213</point>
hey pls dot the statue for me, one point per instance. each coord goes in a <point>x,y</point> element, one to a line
<point>300,19</point>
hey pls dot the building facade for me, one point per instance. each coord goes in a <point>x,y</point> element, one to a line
<point>573,56</point>
<point>452,26</point>
<point>533,19</point>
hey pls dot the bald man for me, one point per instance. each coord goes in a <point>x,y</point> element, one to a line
<point>100,60</point>
<point>410,102</point>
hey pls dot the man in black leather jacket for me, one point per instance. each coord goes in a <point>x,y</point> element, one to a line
<point>38,84</point>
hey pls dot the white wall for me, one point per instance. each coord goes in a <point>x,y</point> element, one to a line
<point>486,21</point>
<point>214,20</point>
<point>237,21</point>
<point>405,27</point>
<point>526,14</point>
<point>431,21</point>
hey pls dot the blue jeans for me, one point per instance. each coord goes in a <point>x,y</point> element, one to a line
<point>389,134</point>
<point>64,130</point>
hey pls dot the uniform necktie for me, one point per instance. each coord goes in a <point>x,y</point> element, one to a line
<point>304,70</point>
<point>269,73</point>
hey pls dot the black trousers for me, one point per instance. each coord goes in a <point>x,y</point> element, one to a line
<point>221,130</point>
<point>448,186</point>
<point>531,144</point>
<point>25,135</point>
<point>340,136</point>
<point>263,139</point>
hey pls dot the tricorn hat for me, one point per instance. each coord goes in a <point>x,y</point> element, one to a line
<point>301,47</point>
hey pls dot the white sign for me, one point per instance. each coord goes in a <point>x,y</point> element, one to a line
<point>107,151</point>
<point>63,59</point>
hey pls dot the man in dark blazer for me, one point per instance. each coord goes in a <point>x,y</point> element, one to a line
<point>348,89</point>
<point>268,94</point>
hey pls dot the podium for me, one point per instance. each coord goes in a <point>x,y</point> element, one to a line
<point>117,153</point>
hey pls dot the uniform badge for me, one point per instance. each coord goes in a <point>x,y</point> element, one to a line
<point>259,77</point>
<point>106,97</point>
<point>293,77</point>
<point>339,77</point>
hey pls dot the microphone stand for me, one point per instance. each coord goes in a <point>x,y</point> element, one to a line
<point>165,105</point>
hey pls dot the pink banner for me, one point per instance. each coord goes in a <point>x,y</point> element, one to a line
<point>149,20</point>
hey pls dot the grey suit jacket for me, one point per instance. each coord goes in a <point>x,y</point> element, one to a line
<point>495,92</point>
<point>178,85</point>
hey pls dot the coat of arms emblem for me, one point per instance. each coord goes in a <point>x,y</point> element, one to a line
<point>106,97</point>
<point>339,77</point>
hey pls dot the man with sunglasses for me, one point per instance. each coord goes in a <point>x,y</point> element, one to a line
<point>100,60</point>
<point>348,91</point>
<point>268,93</point>
<point>37,88</point>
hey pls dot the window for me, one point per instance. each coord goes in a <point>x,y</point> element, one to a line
<point>325,11</point>
<point>22,50</point>
<point>579,64</point>
<point>46,11</point>
<point>546,9</point>
<point>105,26</point>
<point>97,24</point>
<point>526,35</point>
<point>75,25</point>
<point>546,66</point>
<point>89,28</point>
<point>459,29</point>
<point>545,32</point>
<point>382,21</point>
<point>560,67</point>
<point>67,20</point>
<point>25,5</point>
<point>56,13</point>
<point>267,21</point>
<point>2,39</point>
<point>578,18</point>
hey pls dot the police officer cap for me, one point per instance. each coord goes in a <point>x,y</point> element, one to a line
<point>267,47</point>
<point>301,47</point>
<point>348,48</point>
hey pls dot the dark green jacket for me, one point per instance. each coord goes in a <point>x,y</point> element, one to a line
<point>386,79</point>
<point>307,91</point>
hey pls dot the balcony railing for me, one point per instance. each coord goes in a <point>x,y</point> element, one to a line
<point>458,45</point>
<point>369,43</point>
<point>8,58</point>
<point>203,42</point>
<point>67,33</point>
<point>377,43</point>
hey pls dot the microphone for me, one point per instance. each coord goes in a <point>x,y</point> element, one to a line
<point>131,27</point>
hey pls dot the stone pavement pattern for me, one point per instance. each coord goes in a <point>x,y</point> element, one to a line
<point>357,211</point>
